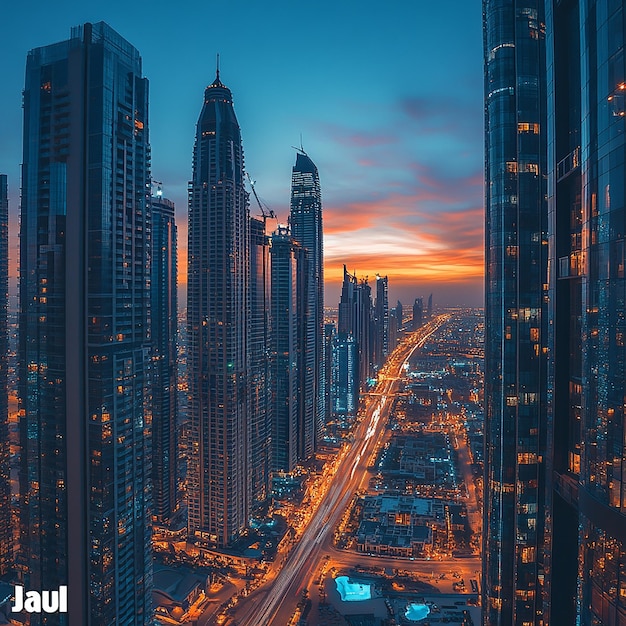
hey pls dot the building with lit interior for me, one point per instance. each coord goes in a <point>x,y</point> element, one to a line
<point>306,229</point>
<point>515,487</point>
<point>6,534</point>
<point>218,326</point>
<point>84,345</point>
<point>286,258</point>
<point>164,323</point>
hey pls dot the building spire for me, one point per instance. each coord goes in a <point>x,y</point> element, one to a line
<point>217,69</point>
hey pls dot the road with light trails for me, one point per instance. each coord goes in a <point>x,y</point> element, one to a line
<point>274,603</point>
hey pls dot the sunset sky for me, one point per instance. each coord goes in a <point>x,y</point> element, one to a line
<point>386,95</point>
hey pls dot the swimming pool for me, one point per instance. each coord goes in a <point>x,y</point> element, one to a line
<point>416,612</point>
<point>352,592</point>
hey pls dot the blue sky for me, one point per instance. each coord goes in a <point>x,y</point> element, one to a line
<point>386,95</point>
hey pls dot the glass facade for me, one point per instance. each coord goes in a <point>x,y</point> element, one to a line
<point>6,534</point>
<point>164,323</point>
<point>355,312</point>
<point>306,227</point>
<point>84,346</point>
<point>564,308</point>
<point>286,257</point>
<point>516,277</point>
<point>260,329</point>
<point>602,491</point>
<point>381,322</point>
<point>218,325</point>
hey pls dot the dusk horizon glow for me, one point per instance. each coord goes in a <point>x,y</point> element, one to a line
<point>388,102</point>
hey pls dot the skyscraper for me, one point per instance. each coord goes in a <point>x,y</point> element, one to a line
<point>286,257</point>
<point>418,313</point>
<point>260,373</point>
<point>516,272</point>
<point>330,333</point>
<point>84,348</point>
<point>381,321</point>
<point>345,378</point>
<point>565,308</point>
<point>164,311</point>
<point>6,533</point>
<point>586,126</point>
<point>355,311</point>
<point>306,227</point>
<point>399,313</point>
<point>218,301</point>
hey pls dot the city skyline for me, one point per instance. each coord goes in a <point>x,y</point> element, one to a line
<point>400,165</point>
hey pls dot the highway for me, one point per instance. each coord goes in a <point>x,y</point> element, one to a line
<point>274,603</point>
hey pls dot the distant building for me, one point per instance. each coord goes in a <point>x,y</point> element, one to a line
<point>218,326</point>
<point>164,325</point>
<point>355,312</point>
<point>345,379</point>
<point>306,229</point>
<point>429,310</point>
<point>399,314</point>
<point>329,340</point>
<point>418,313</point>
<point>380,321</point>
<point>393,330</point>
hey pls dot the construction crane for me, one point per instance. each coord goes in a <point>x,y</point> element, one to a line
<point>265,210</point>
<point>159,184</point>
<point>265,213</point>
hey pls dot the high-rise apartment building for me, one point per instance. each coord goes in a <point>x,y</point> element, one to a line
<point>380,329</point>
<point>345,376</point>
<point>286,258</point>
<point>355,313</point>
<point>516,273</point>
<point>218,326</point>
<point>164,326</point>
<point>84,345</point>
<point>418,313</point>
<point>306,227</point>
<point>330,332</point>
<point>6,532</point>
<point>399,314</point>
<point>260,372</point>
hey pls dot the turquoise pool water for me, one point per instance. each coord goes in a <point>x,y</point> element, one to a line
<point>416,612</point>
<point>352,592</point>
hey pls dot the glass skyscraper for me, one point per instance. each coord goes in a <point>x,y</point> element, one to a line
<point>164,325</point>
<point>600,218</point>
<point>578,565</point>
<point>6,533</point>
<point>355,316</point>
<point>260,371</point>
<point>306,227</point>
<point>84,348</point>
<point>381,322</point>
<point>515,283</point>
<point>286,261</point>
<point>565,308</point>
<point>218,325</point>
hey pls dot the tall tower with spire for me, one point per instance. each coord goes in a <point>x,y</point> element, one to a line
<point>306,226</point>
<point>218,325</point>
